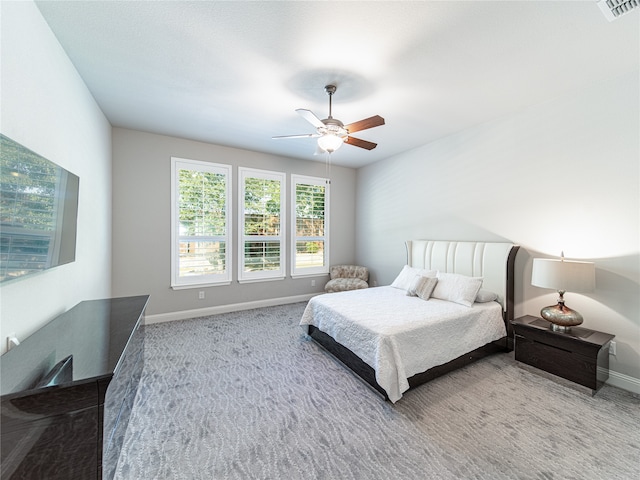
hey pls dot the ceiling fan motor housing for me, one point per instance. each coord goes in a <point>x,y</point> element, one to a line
<point>333,126</point>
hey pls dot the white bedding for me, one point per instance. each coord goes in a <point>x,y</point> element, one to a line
<point>399,336</point>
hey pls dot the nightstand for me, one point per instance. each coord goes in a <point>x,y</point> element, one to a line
<point>581,355</point>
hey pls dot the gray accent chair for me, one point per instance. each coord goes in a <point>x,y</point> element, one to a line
<point>347,277</point>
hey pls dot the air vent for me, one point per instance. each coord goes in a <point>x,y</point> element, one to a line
<point>613,9</point>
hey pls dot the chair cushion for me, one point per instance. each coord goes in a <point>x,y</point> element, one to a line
<point>344,284</point>
<point>349,271</point>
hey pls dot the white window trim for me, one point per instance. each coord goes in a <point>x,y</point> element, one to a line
<point>268,275</point>
<point>312,271</point>
<point>200,281</point>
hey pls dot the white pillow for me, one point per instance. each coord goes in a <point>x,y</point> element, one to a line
<point>457,288</point>
<point>485,296</point>
<point>404,278</point>
<point>408,274</point>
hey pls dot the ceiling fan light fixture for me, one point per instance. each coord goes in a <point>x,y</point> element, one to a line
<point>330,142</point>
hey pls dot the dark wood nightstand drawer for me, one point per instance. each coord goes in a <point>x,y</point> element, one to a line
<point>565,364</point>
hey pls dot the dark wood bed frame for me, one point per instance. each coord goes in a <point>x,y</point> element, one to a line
<point>367,373</point>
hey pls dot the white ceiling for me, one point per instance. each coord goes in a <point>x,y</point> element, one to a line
<point>233,73</point>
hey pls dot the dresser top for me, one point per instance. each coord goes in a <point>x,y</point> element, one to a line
<point>95,332</point>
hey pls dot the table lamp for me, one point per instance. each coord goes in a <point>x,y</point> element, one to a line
<point>564,276</point>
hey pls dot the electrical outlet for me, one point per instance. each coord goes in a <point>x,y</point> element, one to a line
<point>313,283</point>
<point>612,348</point>
<point>201,295</point>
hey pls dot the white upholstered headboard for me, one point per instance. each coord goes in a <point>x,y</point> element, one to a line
<point>493,261</point>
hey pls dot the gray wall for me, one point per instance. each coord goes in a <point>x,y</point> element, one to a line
<point>46,107</point>
<point>562,175</point>
<point>142,213</point>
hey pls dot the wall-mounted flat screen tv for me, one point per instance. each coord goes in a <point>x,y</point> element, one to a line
<point>38,212</point>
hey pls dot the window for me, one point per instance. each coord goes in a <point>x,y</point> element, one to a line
<point>200,223</point>
<point>261,201</point>
<point>310,252</point>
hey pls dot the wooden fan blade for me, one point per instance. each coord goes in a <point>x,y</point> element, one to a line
<point>370,122</point>
<point>302,135</point>
<point>356,142</point>
<point>310,117</point>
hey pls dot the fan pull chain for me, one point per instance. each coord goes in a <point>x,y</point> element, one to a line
<point>327,164</point>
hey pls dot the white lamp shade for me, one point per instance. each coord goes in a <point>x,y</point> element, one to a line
<point>329,142</point>
<point>565,275</point>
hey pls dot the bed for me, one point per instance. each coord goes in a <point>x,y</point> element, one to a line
<point>395,340</point>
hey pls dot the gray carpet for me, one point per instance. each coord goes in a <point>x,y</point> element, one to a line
<point>246,395</point>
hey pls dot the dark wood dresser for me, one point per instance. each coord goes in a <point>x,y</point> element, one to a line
<point>73,429</point>
<point>575,355</point>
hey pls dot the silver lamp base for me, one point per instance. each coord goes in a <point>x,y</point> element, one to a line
<point>561,317</point>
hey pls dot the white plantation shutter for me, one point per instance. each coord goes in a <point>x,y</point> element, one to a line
<point>200,223</point>
<point>262,242</point>
<point>310,234</point>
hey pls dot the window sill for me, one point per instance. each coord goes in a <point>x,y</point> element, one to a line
<point>257,280</point>
<point>307,275</point>
<point>199,285</point>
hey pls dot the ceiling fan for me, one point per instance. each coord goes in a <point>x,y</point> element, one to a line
<point>332,133</point>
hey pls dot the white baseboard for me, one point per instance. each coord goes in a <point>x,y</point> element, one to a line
<point>234,307</point>
<point>625,382</point>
